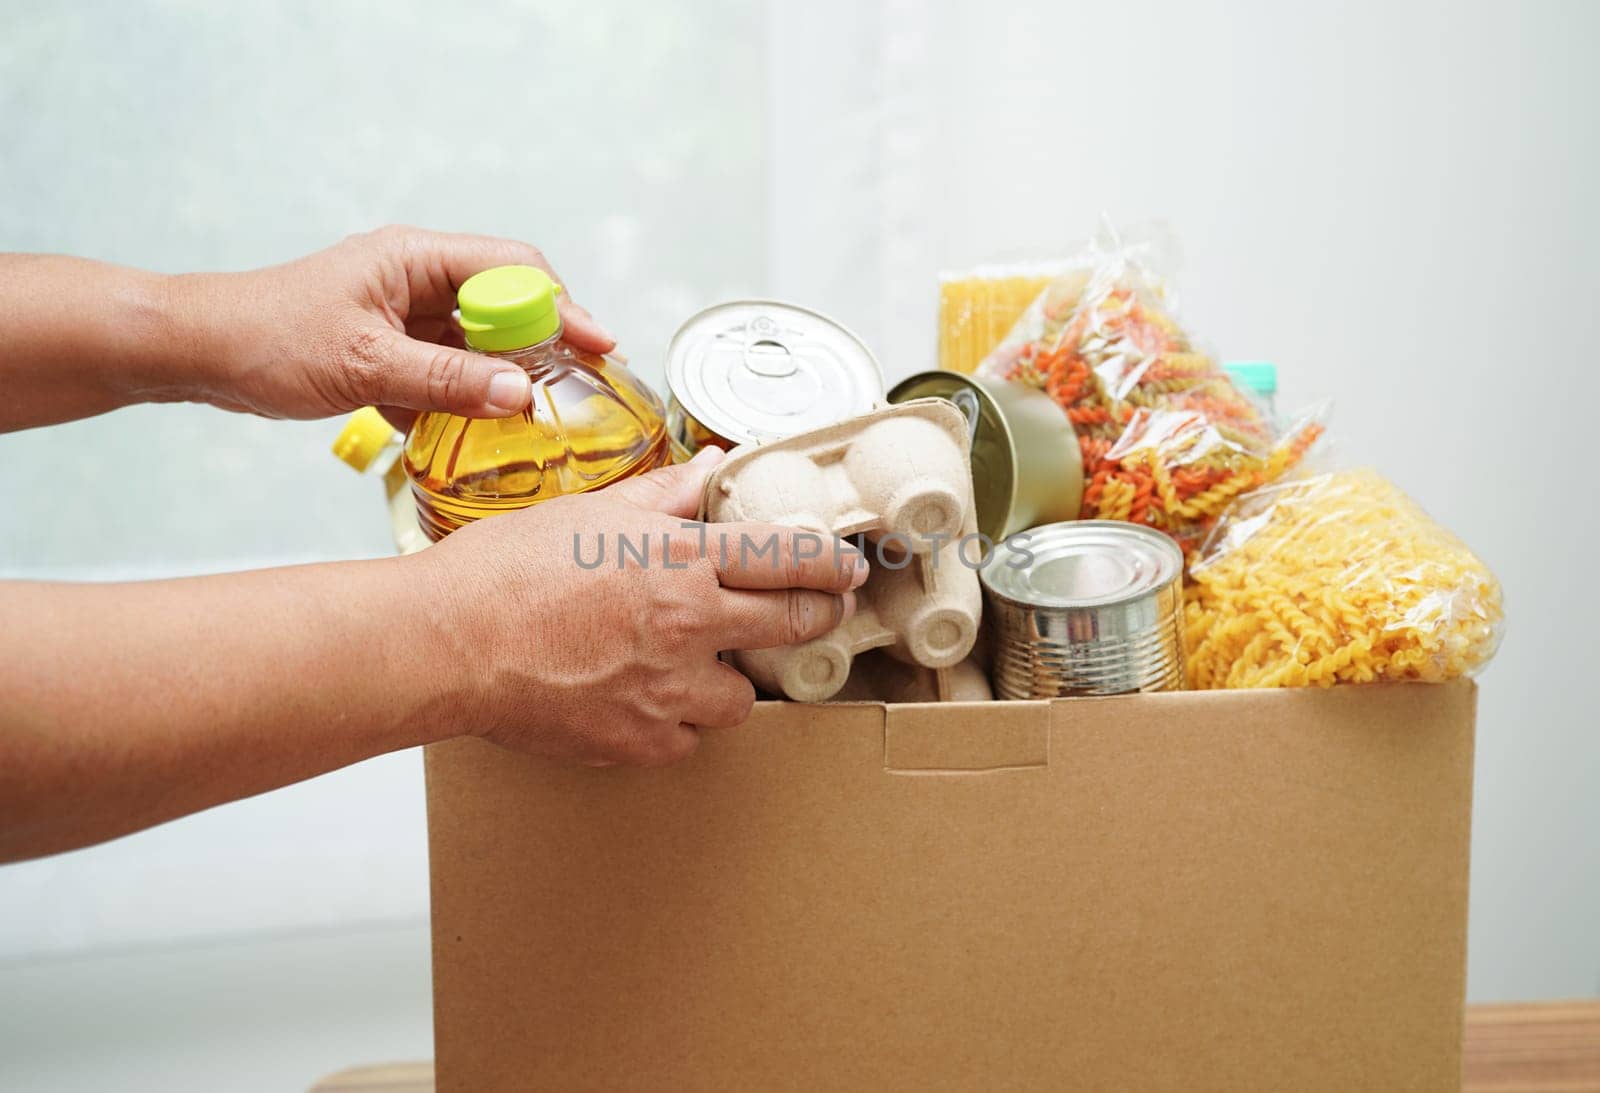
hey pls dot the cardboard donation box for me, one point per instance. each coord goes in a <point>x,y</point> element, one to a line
<point>1202,890</point>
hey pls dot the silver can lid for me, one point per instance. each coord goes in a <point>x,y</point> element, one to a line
<point>1081,563</point>
<point>755,370</point>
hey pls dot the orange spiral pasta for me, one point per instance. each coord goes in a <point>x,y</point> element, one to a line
<point>1168,440</point>
<point>1337,578</point>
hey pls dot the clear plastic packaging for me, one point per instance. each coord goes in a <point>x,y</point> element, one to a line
<point>590,422</point>
<point>1168,440</point>
<point>978,308</point>
<point>370,445</point>
<point>1258,380</point>
<point>1336,578</point>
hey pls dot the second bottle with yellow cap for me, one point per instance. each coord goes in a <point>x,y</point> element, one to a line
<point>589,424</point>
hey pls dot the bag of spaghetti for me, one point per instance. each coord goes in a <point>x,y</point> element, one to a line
<point>1168,440</point>
<point>979,306</point>
<point>1336,578</point>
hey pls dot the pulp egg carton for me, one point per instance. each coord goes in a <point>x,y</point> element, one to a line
<point>876,677</point>
<point>900,476</point>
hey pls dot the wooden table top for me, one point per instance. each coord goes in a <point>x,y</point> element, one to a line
<point>1532,1047</point>
<point>1526,1047</point>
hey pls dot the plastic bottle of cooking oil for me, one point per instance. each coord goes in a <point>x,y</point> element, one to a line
<point>590,423</point>
<point>370,445</point>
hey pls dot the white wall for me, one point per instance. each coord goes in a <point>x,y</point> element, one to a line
<point>1393,201</point>
<point>624,139</point>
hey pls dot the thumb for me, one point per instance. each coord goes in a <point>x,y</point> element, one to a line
<point>675,491</point>
<point>393,370</point>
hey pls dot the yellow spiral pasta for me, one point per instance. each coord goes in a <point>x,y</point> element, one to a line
<point>1338,578</point>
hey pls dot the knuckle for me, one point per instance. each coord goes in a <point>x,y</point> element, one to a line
<point>683,549</point>
<point>745,704</point>
<point>738,699</point>
<point>793,567</point>
<point>396,233</point>
<point>446,377</point>
<point>380,238</point>
<point>360,238</point>
<point>645,709</point>
<point>702,578</point>
<point>761,620</point>
<point>663,744</point>
<point>405,243</point>
<point>628,741</point>
<point>797,616</point>
<point>675,623</point>
<point>672,694</point>
<point>724,548</point>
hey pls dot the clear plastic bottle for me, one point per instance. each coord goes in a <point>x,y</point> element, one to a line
<point>590,423</point>
<point>370,445</point>
<point>1260,378</point>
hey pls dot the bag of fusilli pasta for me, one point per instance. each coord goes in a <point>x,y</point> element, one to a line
<point>1336,578</point>
<point>1168,440</point>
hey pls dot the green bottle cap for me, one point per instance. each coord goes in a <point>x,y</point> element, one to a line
<point>508,307</point>
<point>1258,376</point>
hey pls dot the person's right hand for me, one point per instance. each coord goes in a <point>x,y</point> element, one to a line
<point>617,664</point>
<point>366,322</point>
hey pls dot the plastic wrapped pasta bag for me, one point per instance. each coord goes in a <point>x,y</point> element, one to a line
<point>1168,440</point>
<point>1336,578</point>
<point>978,307</point>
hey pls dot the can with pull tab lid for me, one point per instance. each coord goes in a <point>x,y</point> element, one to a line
<point>749,371</point>
<point>1088,607</point>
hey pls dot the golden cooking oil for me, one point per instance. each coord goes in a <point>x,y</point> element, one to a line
<point>590,423</point>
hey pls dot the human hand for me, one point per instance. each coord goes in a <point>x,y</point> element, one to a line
<point>618,664</point>
<point>366,322</point>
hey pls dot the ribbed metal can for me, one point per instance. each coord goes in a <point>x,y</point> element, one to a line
<point>1086,607</point>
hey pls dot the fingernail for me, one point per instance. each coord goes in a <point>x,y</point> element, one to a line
<point>709,454</point>
<point>848,603</point>
<point>858,572</point>
<point>508,390</point>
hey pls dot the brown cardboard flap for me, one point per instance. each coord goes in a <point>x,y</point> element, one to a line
<point>944,738</point>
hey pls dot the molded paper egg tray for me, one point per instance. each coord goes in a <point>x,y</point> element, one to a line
<point>901,476</point>
<point>879,678</point>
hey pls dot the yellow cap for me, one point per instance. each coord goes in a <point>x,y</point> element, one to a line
<point>364,435</point>
<point>508,307</point>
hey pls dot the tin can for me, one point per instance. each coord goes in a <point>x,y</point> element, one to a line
<point>749,371</point>
<point>1089,607</point>
<point>685,435</point>
<point>1027,468</point>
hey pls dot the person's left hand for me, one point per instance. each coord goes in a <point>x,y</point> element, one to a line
<point>364,323</point>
